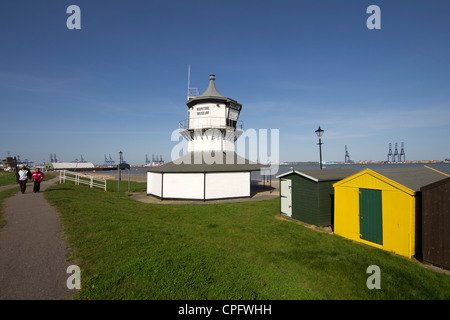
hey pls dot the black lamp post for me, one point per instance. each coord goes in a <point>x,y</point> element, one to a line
<point>118,170</point>
<point>319,133</point>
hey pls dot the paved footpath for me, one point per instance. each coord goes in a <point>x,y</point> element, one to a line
<point>33,251</point>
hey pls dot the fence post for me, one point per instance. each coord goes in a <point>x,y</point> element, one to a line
<point>92,181</point>
<point>59,177</point>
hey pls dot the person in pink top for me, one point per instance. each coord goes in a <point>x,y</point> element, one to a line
<point>38,176</point>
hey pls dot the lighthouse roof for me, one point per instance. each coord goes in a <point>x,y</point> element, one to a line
<point>211,94</point>
<point>212,90</point>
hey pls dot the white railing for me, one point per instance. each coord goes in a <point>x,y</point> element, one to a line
<point>192,93</point>
<point>81,178</point>
<point>210,122</point>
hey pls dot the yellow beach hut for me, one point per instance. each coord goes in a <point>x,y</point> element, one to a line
<point>382,207</point>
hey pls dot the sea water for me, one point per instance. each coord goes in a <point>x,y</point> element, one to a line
<point>443,167</point>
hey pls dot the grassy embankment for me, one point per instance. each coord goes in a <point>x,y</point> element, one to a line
<point>132,250</point>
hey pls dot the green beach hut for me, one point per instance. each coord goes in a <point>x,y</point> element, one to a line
<point>307,195</point>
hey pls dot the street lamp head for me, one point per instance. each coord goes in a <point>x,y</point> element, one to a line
<point>120,153</point>
<point>319,132</point>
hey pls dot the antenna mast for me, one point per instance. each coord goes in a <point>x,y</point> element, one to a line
<point>189,80</point>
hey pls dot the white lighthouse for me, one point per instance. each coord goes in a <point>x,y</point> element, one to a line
<point>211,169</point>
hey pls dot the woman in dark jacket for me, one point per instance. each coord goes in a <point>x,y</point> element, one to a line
<point>22,177</point>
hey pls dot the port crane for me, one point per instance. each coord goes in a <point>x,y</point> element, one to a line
<point>347,156</point>
<point>109,162</point>
<point>53,158</point>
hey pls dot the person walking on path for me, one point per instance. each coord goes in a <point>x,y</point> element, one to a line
<point>38,176</point>
<point>22,177</point>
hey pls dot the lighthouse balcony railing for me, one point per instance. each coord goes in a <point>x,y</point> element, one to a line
<point>210,123</point>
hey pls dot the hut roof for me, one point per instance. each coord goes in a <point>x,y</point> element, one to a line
<point>413,178</point>
<point>436,184</point>
<point>322,175</point>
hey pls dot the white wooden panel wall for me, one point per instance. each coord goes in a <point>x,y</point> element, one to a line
<point>154,183</point>
<point>227,185</point>
<point>183,185</point>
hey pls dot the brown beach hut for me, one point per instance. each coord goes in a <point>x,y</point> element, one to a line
<point>436,223</point>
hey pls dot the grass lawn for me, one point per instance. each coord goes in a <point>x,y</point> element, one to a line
<point>3,195</point>
<point>111,185</point>
<point>132,250</point>
<point>7,178</point>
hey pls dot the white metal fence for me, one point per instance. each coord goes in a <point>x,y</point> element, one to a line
<point>210,122</point>
<point>81,178</point>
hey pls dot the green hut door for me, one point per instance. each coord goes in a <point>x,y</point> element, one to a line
<point>370,216</point>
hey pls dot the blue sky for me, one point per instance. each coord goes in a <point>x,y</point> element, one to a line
<point>120,82</point>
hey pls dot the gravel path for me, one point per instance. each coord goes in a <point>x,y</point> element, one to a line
<point>33,251</point>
